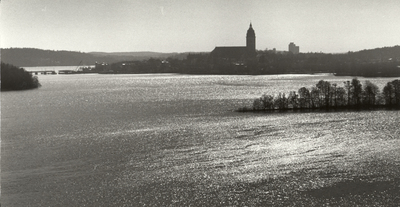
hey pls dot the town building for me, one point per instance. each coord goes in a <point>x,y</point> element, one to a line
<point>293,48</point>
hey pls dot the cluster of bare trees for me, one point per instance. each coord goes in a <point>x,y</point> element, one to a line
<point>325,95</point>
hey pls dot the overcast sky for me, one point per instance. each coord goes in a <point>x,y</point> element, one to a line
<point>328,26</point>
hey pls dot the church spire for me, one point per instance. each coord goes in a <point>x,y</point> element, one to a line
<point>251,40</point>
<point>250,32</point>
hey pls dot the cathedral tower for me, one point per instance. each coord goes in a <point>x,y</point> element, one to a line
<point>251,41</point>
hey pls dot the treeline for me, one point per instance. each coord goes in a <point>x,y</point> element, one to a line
<point>14,78</point>
<point>381,62</point>
<point>324,95</point>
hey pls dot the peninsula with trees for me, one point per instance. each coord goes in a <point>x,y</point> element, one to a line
<point>327,96</point>
<point>15,78</point>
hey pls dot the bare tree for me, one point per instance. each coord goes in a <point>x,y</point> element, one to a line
<point>396,86</point>
<point>280,101</point>
<point>356,90</point>
<point>267,101</point>
<point>305,98</point>
<point>325,88</point>
<point>315,100</point>
<point>293,100</point>
<point>340,96</point>
<point>369,93</point>
<point>347,86</point>
<point>388,92</point>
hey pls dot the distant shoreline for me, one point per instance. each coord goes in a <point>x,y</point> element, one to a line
<point>33,69</point>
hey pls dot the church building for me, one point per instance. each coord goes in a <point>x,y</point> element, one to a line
<point>238,52</point>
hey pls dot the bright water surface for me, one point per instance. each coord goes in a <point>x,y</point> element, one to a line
<point>115,139</point>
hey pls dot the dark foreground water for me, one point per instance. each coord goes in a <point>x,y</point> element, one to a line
<point>174,140</point>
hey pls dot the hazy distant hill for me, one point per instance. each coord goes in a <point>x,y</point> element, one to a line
<point>37,57</point>
<point>378,54</point>
<point>25,57</point>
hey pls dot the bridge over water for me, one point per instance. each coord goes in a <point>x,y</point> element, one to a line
<point>53,70</point>
<point>43,72</point>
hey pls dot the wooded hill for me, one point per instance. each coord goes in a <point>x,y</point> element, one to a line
<point>28,57</point>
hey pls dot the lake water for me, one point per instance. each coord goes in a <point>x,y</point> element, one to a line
<point>169,139</point>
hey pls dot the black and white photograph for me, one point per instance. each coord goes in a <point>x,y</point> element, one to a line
<point>200,103</point>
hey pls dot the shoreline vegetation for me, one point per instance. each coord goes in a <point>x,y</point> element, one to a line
<point>381,62</point>
<point>328,97</point>
<point>15,78</point>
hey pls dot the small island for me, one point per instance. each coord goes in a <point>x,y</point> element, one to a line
<point>15,78</point>
<point>326,96</point>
